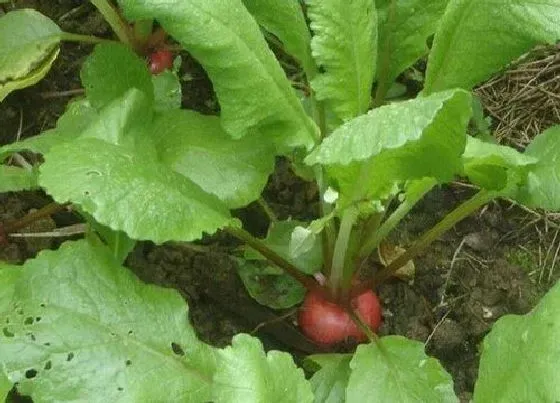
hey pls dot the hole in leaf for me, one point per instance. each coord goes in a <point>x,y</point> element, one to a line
<point>28,321</point>
<point>38,319</point>
<point>47,344</point>
<point>7,333</point>
<point>31,336</point>
<point>7,320</point>
<point>177,349</point>
<point>128,363</point>
<point>120,389</point>
<point>30,373</point>
<point>19,311</point>
<point>86,193</point>
<point>48,365</point>
<point>70,357</point>
<point>130,332</point>
<point>42,306</point>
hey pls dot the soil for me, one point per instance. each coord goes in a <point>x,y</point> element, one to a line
<point>489,265</point>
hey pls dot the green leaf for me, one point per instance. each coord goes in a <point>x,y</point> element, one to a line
<point>111,70</point>
<point>246,374</point>
<point>404,27</point>
<point>395,369</point>
<point>279,239</point>
<point>269,285</point>
<point>197,147</point>
<point>345,47</point>
<point>5,386</point>
<point>13,179</point>
<point>28,47</point>
<point>77,117</point>
<point>112,172</point>
<point>520,356</point>
<point>118,242</point>
<point>423,137</point>
<point>477,38</point>
<point>286,21</point>
<point>486,164</point>
<point>89,330</point>
<point>542,186</point>
<point>167,91</point>
<point>329,383</point>
<point>255,96</point>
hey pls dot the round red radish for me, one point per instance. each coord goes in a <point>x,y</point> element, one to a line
<point>160,60</point>
<point>327,323</point>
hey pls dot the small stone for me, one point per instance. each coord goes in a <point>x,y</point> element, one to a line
<point>479,241</point>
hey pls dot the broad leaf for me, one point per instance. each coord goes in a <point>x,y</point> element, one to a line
<point>395,369</point>
<point>76,326</point>
<point>255,96</point>
<point>487,164</point>
<point>13,179</point>
<point>28,47</point>
<point>69,126</point>
<point>520,356</point>
<point>286,21</point>
<point>110,71</point>
<point>477,38</point>
<point>404,27</point>
<point>111,171</point>
<point>279,238</point>
<point>246,374</point>
<point>5,386</point>
<point>269,285</point>
<point>196,146</point>
<point>330,381</point>
<point>167,91</point>
<point>542,187</point>
<point>424,137</point>
<point>345,47</point>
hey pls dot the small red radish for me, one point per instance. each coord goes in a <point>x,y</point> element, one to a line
<point>327,323</point>
<point>160,60</point>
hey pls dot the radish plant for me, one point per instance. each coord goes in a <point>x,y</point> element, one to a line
<point>75,325</point>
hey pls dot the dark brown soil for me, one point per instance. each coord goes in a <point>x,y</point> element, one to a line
<point>486,267</point>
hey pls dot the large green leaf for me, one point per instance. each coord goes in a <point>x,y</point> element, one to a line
<point>330,381</point>
<point>196,146</point>
<point>520,356</point>
<point>424,137</point>
<point>477,38</point>
<point>255,96</point>
<point>76,326</point>
<point>404,26</point>
<point>111,70</point>
<point>286,21</point>
<point>28,47</point>
<point>14,179</point>
<point>395,369</point>
<point>345,46</point>
<point>487,164</point>
<point>542,187</point>
<point>113,173</point>
<point>246,374</point>
<point>77,117</point>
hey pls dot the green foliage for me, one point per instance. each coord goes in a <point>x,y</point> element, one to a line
<point>28,47</point>
<point>371,152</point>
<point>477,38</point>
<point>85,327</point>
<point>110,71</point>
<point>228,43</point>
<point>392,368</point>
<point>345,47</point>
<point>269,285</point>
<point>5,386</point>
<point>404,27</point>
<point>13,179</point>
<point>286,21</point>
<point>520,356</point>
<point>542,187</point>
<point>167,91</point>
<point>197,147</point>
<point>247,374</point>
